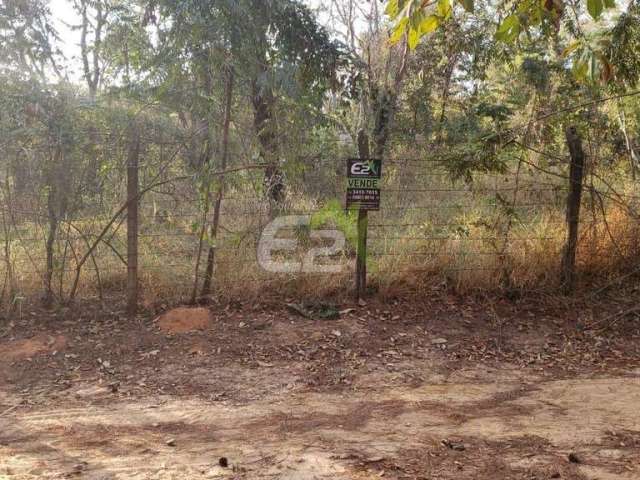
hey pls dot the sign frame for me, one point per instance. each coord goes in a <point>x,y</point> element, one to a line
<point>364,176</point>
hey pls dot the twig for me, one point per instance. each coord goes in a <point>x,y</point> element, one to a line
<point>571,108</point>
<point>615,282</point>
<point>9,410</point>
<point>598,197</point>
<point>611,320</point>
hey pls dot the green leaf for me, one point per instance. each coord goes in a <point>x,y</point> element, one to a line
<point>429,24</point>
<point>399,30</point>
<point>443,9</point>
<point>581,65</point>
<point>413,39</point>
<point>415,20</point>
<point>393,8</point>
<point>468,5</point>
<point>509,29</point>
<point>593,68</point>
<point>610,3</point>
<point>570,49</point>
<point>595,8</point>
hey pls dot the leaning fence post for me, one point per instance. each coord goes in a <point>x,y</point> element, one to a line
<point>132,221</point>
<point>576,173</point>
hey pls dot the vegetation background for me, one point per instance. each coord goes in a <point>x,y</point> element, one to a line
<point>240,111</point>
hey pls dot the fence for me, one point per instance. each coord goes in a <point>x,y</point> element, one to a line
<point>71,237</point>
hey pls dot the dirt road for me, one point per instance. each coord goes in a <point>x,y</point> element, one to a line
<point>404,403</point>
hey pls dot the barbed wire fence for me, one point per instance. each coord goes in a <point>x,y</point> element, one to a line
<point>506,229</point>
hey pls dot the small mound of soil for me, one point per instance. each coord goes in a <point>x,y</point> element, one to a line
<point>38,345</point>
<point>184,320</point>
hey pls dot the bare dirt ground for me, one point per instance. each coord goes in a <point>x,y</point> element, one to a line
<point>443,388</point>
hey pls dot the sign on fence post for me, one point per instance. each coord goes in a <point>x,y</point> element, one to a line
<point>363,193</point>
<point>363,187</point>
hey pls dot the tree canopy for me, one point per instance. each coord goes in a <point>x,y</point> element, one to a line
<point>600,54</point>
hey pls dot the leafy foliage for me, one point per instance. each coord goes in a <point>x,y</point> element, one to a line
<point>593,59</point>
<point>27,38</point>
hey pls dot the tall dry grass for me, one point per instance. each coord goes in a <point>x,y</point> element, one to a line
<point>501,232</point>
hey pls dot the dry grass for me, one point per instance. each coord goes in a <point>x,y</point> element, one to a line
<point>455,234</point>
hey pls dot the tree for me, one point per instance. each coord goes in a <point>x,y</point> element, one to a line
<point>27,39</point>
<point>595,56</point>
<point>276,47</point>
<point>284,39</point>
<point>94,17</point>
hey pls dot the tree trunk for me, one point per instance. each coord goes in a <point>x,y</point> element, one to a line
<point>576,172</point>
<point>208,276</point>
<point>20,171</point>
<point>633,156</point>
<point>263,104</point>
<point>59,186</point>
<point>384,108</point>
<point>51,238</point>
<point>90,54</point>
<point>9,286</point>
<point>385,105</point>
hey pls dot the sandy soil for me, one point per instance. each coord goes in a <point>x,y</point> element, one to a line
<point>450,390</point>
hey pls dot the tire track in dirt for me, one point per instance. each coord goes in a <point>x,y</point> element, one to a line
<point>307,434</point>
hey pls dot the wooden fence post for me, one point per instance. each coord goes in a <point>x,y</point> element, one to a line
<point>576,174</point>
<point>363,226</point>
<point>132,221</point>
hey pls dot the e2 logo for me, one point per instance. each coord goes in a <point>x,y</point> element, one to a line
<point>361,168</point>
<point>269,244</point>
